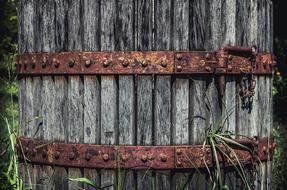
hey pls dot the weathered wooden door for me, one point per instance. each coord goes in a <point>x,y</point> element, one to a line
<point>139,109</point>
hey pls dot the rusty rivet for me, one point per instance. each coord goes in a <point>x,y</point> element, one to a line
<point>144,158</point>
<point>144,63</point>
<point>163,157</point>
<point>72,156</point>
<point>88,156</point>
<point>106,63</point>
<point>125,63</point>
<point>207,68</point>
<point>264,149</point>
<point>124,157</point>
<point>178,56</point>
<point>56,63</point>
<point>44,154</point>
<point>229,68</point>
<point>163,64</point>
<point>105,157</point>
<point>34,151</point>
<point>57,155</point>
<point>88,63</point>
<point>178,163</point>
<point>71,63</point>
<point>208,56</point>
<point>150,157</point>
<point>178,151</point>
<point>179,68</point>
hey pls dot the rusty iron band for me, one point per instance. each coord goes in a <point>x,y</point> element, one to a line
<point>227,60</point>
<point>138,157</point>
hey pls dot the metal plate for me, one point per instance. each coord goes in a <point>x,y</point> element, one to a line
<point>231,60</point>
<point>137,157</point>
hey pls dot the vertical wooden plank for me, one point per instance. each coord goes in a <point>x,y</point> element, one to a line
<point>109,106</point>
<point>91,38</point>
<point>75,121</point>
<point>199,39</point>
<point>180,87</point>
<point>61,88</point>
<point>75,116</point>
<point>60,113</point>
<point>144,41</point>
<point>27,44</point>
<point>109,122</point>
<point>125,41</point>
<point>162,94</point>
<point>46,43</point>
<point>229,98</point>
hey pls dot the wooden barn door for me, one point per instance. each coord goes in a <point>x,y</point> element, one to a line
<point>139,109</point>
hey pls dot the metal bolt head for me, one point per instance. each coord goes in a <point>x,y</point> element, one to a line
<point>71,63</point>
<point>208,56</point>
<point>144,158</point>
<point>178,56</point>
<point>88,156</point>
<point>208,69</point>
<point>178,151</point>
<point>72,156</point>
<point>106,63</point>
<point>179,68</point>
<point>124,157</point>
<point>178,163</point>
<point>125,63</point>
<point>34,152</point>
<point>144,63</point>
<point>163,157</point>
<point>88,63</point>
<point>229,68</point>
<point>57,155</point>
<point>56,62</point>
<point>105,157</point>
<point>163,64</point>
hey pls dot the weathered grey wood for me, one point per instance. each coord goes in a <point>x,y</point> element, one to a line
<point>142,110</point>
<point>60,113</point>
<point>162,97</point>
<point>109,117</point>
<point>125,36</point>
<point>91,42</point>
<point>180,87</point>
<point>144,41</point>
<point>162,122</point>
<point>75,116</point>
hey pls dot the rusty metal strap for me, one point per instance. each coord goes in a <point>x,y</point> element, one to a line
<point>228,60</point>
<point>138,157</point>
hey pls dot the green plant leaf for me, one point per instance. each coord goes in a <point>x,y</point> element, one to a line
<point>85,181</point>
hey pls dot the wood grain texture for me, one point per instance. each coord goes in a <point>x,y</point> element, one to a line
<point>92,106</point>
<point>180,86</point>
<point>109,105</point>
<point>141,110</point>
<point>162,94</point>
<point>144,124</point>
<point>125,40</point>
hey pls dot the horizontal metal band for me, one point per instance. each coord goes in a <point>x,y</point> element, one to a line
<point>138,157</point>
<point>228,60</point>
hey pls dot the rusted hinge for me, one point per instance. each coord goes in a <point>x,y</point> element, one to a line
<point>139,157</point>
<point>228,60</point>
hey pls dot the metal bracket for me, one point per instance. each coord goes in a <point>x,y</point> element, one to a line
<point>138,157</point>
<point>229,60</point>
